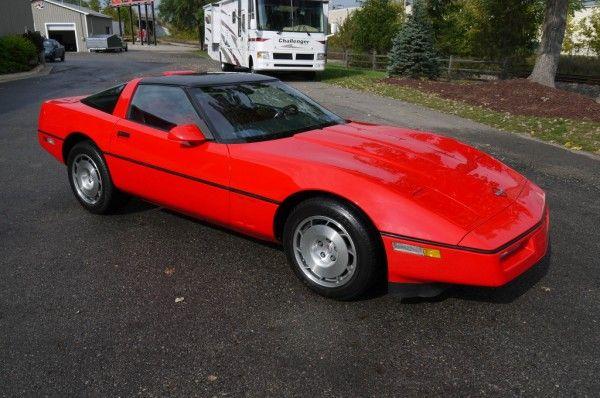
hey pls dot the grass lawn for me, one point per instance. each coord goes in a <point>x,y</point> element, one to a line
<point>573,134</point>
<point>200,53</point>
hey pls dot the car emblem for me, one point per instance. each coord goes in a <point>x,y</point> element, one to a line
<point>499,192</point>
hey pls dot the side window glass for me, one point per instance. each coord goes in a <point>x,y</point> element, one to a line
<point>162,107</point>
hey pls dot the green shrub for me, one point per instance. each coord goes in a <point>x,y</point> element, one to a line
<point>374,25</point>
<point>579,65</point>
<point>17,54</point>
<point>343,39</point>
<point>37,39</point>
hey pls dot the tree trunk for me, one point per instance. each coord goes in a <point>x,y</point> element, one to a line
<point>553,33</point>
<point>200,34</point>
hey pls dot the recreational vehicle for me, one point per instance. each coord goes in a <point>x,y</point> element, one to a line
<point>267,35</point>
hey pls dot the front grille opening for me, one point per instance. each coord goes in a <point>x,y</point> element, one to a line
<point>305,57</point>
<point>282,56</point>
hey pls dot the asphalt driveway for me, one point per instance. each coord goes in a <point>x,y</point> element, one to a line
<point>88,303</point>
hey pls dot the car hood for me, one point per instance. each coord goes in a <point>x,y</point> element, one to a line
<point>451,179</point>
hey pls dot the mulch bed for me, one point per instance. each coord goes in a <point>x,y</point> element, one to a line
<point>518,97</point>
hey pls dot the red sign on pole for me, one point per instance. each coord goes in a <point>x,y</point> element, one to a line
<point>122,3</point>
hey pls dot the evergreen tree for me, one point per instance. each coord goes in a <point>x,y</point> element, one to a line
<point>413,52</point>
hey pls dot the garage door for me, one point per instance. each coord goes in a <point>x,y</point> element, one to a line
<point>64,34</point>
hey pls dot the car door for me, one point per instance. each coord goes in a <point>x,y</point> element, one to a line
<point>145,162</point>
<point>61,49</point>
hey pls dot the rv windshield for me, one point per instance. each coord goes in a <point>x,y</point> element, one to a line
<point>291,15</point>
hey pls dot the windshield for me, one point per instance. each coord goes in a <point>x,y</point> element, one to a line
<point>260,111</point>
<point>291,15</point>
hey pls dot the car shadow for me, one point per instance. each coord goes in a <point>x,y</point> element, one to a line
<point>223,229</point>
<point>500,295</point>
<point>134,205</point>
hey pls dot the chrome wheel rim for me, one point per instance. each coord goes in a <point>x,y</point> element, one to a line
<point>325,251</point>
<point>86,179</point>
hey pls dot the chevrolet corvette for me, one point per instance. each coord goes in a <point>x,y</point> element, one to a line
<point>352,203</point>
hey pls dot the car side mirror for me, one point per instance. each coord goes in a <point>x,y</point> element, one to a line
<point>187,134</point>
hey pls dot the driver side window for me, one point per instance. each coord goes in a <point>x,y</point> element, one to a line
<point>162,107</point>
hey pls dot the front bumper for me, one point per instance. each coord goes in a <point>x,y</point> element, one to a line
<point>292,66</point>
<point>464,266</point>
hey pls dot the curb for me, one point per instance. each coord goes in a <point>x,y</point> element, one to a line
<point>40,70</point>
<point>190,45</point>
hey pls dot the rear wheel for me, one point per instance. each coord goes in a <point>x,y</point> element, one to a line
<point>62,59</point>
<point>90,180</point>
<point>332,248</point>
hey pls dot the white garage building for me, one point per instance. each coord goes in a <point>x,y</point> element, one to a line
<point>67,23</point>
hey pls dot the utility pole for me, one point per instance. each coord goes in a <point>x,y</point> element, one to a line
<point>120,28</point>
<point>131,20</point>
<point>153,24</point>
<point>140,24</point>
<point>147,25</point>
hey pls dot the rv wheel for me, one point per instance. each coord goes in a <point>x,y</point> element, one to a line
<point>224,66</point>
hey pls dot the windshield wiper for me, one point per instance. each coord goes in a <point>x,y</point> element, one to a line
<point>314,127</point>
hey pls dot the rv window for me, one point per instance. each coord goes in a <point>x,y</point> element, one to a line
<point>250,10</point>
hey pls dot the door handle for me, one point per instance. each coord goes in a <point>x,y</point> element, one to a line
<point>123,134</point>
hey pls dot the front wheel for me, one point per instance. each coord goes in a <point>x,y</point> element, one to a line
<point>225,67</point>
<point>333,248</point>
<point>90,180</point>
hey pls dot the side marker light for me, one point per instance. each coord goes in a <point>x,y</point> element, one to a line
<point>417,250</point>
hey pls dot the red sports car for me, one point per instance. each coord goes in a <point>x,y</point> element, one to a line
<point>351,202</point>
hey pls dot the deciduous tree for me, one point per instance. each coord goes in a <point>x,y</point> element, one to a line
<point>184,15</point>
<point>553,33</point>
<point>376,24</point>
<point>590,28</point>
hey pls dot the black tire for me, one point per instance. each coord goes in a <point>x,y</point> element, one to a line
<point>62,59</point>
<point>370,262</point>
<point>109,198</point>
<point>225,67</point>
